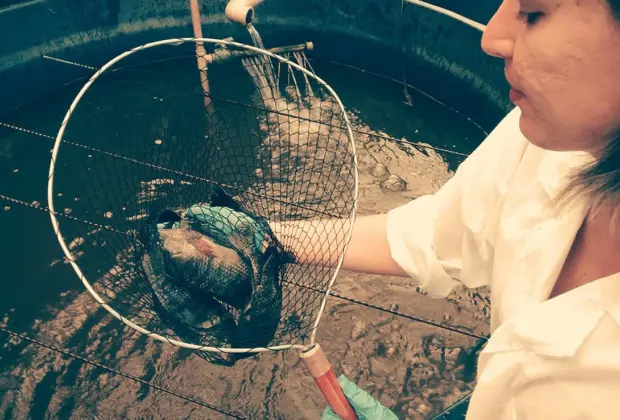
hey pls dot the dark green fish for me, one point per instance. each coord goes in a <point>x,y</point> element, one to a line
<point>192,316</point>
<point>216,278</point>
<point>259,321</point>
<point>206,266</point>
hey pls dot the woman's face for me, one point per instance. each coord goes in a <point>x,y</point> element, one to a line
<point>563,61</point>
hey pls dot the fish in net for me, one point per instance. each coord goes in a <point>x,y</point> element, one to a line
<point>215,275</point>
<point>194,186</point>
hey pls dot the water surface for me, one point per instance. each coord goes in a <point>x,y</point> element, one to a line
<point>43,297</point>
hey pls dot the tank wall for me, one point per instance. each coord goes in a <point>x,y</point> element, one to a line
<point>437,53</point>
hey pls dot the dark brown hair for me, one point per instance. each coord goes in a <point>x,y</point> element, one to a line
<point>615,8</point>
<point>599,181</point>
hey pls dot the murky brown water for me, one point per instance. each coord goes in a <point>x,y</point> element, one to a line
<point>414,368</point>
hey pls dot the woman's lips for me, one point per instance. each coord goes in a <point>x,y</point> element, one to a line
<point>516,95</point>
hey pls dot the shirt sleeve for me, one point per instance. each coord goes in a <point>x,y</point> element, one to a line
<point>438,239</point>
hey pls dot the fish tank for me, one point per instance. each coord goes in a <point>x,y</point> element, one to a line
<point>420,95</point>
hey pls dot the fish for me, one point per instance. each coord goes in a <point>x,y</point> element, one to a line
<point>260,319</point>
<point>192,317</point>
<point>220,198</point>
<point>205,266</point>
<point>259,322</point>
<point>215,274</point>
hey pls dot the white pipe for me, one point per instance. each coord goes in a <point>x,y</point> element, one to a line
<point>241,11</point>
<point>450,13</point>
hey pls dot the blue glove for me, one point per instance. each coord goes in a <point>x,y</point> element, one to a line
<point>365,406</point>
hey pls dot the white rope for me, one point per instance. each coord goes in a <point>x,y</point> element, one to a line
<point>72,63</point>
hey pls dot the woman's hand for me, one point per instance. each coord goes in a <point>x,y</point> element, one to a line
<point>320,242</point>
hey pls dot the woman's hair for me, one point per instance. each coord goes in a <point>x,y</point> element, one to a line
<point>599,182</point>
<point>615,8</point>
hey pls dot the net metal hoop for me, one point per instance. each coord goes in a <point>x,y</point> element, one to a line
<point>72,259</point>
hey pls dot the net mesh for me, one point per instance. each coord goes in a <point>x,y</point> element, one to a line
<point>188,205</point>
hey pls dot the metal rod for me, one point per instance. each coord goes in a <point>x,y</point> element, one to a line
<point>201,54</point>
<point>300,61</point>
<point>224,54</point>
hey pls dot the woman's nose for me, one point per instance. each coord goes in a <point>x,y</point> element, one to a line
<point>498,39</point>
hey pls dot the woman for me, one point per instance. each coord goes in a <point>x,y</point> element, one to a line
<point>531,214</point>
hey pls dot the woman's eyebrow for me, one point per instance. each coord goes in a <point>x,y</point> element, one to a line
<point>540,4</point>
<point>530,4</point>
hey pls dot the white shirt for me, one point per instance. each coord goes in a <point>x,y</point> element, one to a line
<point>494,223</point>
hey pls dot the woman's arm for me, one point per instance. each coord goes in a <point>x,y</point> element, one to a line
<point>320,242</point>
<point>437,239</point>
<point>369,250</point>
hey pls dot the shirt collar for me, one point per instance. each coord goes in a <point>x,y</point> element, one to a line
<point>555,167</point>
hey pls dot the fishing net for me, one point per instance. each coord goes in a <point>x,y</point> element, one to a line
<point>183,179</point>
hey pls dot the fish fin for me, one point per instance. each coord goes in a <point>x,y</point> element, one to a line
<point>220,198</point>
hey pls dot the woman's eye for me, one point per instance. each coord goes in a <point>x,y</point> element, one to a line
<point>529,18</point>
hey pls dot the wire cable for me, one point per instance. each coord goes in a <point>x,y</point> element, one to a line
<point>118,372</point>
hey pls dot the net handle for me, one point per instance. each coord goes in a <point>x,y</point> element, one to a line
<point>325,378</point>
